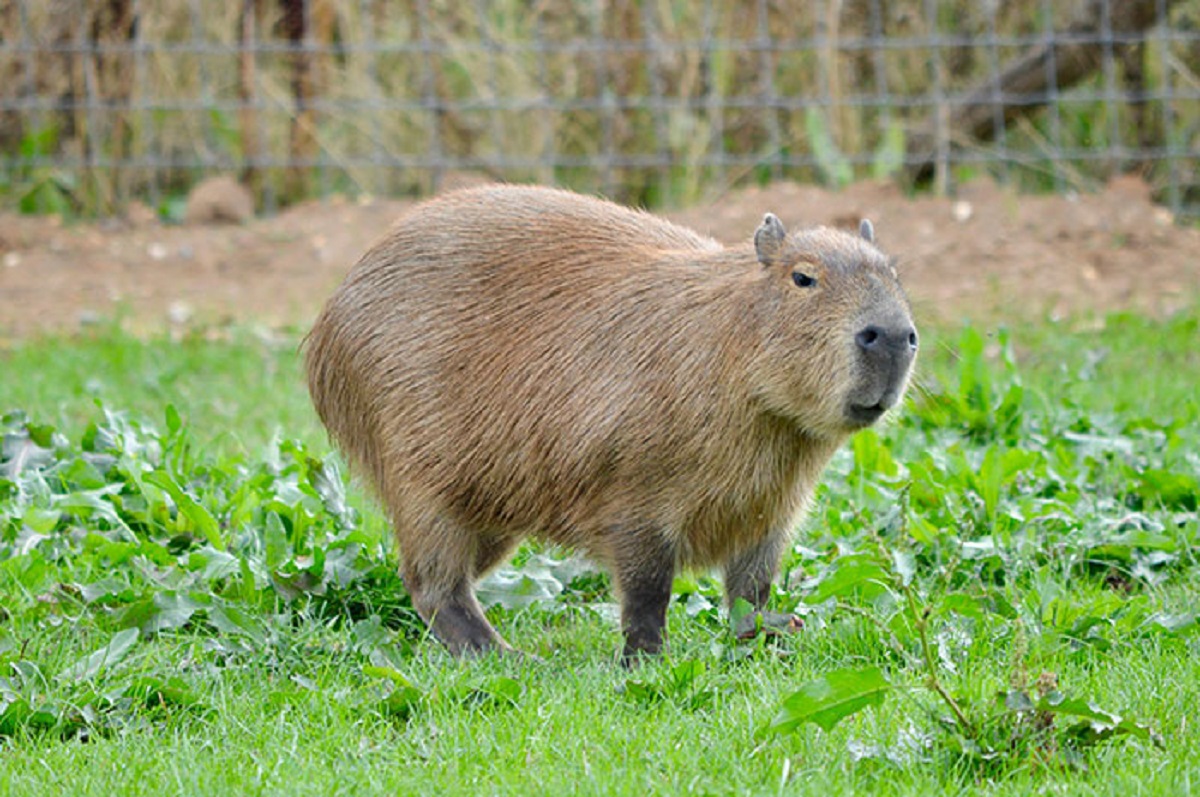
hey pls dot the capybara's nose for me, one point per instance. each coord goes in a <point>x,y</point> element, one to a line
<point>877,341</point>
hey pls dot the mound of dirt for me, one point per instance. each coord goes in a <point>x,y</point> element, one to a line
<point>219,200</point>
<point>988,253</point>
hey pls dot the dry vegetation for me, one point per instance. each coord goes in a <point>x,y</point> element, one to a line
<point>627,97</point>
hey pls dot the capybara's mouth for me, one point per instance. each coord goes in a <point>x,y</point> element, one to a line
<point>864,415</point>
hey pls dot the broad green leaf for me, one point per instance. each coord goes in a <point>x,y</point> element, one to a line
<point>164,611</point>
<point>1057,703</point>
<point>234,620</point>
<point>275,542</point>
<point>326,481</point>
<point>849,573</point>
<point>516,589</point>
<point>341,565</point>
<point>89,503</point>
<point>200,519</point>
<point>28,673</point>
<point>831,698</point>
<point>41,519</point>
<point>680,685</point>
<point>154,692</point>
<point>501,689</point>
<point>19,715</point>
<point>106,589</point>
<point>1017,700</point>
<point>293,585</point>
<point>212,563</point>
<point>739,611</point>
<point>922,530</point>
<point>989,481</point>
<point>247,584</point>
<point>1171,489</point>
<point>105,658</point>
<point>389,673</point>
<point>905,566</point>
<point>401,702</point>
<point>1099,725</point>
<point>174,423</point>
<point>369,634</point>
<point>19,452</point>
<point>1183,623</point>
<point>402,698</point>
<point>686,672</point>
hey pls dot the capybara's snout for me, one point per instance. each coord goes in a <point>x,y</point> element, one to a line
<point>884,352</point>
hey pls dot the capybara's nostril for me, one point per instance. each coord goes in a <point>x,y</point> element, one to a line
<point>868,339</point>
<point>875,338</point>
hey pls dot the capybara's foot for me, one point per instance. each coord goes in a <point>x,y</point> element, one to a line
<point>767,624</point>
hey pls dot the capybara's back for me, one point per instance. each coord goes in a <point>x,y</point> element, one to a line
<point>513,361</point>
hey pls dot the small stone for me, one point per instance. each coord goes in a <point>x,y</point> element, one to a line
<point>12,260</point>
<point>157,251</point>
<point>179,313</point>
<point>962,211</point>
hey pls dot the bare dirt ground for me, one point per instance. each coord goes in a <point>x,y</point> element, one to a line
<point>988,254</point>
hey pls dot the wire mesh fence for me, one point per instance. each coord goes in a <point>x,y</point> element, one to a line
<point>651,101</point>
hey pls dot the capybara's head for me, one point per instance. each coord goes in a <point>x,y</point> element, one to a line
<point>839,342</point>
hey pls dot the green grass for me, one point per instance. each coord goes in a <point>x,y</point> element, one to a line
<point>1033,511</point>
<point>234,395</point>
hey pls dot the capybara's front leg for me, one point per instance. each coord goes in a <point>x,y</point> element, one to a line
<point>749,576</point>
<point>645,569</point>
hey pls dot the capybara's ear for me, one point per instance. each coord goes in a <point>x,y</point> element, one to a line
<point>867,230</point>
<point>769,238</point>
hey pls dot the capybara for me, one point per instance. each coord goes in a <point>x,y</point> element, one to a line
<point>511,361</point>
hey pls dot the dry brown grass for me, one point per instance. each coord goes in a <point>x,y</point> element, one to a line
<point>658,101</point>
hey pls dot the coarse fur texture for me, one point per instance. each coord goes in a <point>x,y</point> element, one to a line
<point>512,361</point>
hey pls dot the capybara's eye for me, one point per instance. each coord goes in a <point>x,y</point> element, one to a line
<point>803,280</point>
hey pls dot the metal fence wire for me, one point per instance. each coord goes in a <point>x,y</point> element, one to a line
<point>651,101</point>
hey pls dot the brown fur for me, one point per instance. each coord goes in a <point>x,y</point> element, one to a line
<point>513,361</point>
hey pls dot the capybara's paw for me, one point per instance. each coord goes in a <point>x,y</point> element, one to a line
<point>767,624</point>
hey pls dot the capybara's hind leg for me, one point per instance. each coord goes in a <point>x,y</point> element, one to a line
<point>749,576</point>
<point>438,569</point>
<point>490,551</point>
<point>456,618</point>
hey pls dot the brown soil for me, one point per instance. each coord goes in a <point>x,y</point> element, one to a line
<point>987,254</point>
